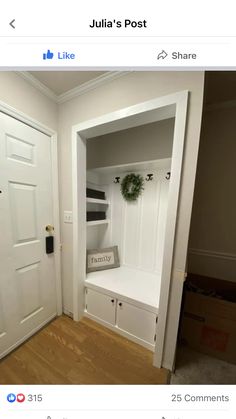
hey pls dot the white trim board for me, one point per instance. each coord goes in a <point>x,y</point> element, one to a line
<point>143,165</point>
<point>174,105</point>
<point>77,91</point>
<point>133,116</point>
<point>20,116</point>
<point>212,254</point>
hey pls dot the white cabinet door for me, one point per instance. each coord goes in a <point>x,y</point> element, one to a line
<point>136,321</point>
<point>101,306</point>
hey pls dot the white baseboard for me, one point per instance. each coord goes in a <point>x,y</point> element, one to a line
<point>68,312</point>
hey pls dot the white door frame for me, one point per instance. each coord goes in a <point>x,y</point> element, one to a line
<point>174,105</point>
<point>22,117</point>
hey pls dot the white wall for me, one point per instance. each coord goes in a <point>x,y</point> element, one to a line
<point>143,143</point>
<point>19,94</point>
<point>212,246</point>
<point>131,89</point>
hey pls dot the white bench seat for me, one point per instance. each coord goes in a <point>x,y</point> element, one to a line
<point>128,284</point>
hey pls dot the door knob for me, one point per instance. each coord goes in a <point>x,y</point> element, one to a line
<point>49,228</point>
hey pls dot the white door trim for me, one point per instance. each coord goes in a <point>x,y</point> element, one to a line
<point>174,105</point>
<point>20,116</point>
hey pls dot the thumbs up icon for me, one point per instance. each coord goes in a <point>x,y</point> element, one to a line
<point>48,55</point>
<point>11,398</point>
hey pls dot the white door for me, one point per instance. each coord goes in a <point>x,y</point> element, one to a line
<point>27,275</point>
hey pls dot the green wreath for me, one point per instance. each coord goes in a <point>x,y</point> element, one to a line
<point>132,186</point>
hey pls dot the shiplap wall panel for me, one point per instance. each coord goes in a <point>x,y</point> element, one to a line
<point>131,233</point>
<point>117,209</point>
<point>137,228</point>
<point>104,231</point>
<point>148,224</point>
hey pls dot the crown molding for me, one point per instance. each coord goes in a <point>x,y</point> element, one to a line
<point>77,91</point>
<point>91,85</point>
<point>37,84</point>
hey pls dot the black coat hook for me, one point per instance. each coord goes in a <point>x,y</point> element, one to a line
<point>117,179</point>
<point>168,175</point>
<point>149,177</point>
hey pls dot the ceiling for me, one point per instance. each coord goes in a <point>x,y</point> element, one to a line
<point>60,82</point>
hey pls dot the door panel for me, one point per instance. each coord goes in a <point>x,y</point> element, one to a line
<point>101,306</point>
<point>25,255</point>
<point>23,216</point>
<point>29,290</point>
<point>27,281</point>
<point>135,320</point>
<point>18,149</point>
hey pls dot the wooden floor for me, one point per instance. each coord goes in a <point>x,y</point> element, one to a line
<point>66,352</point>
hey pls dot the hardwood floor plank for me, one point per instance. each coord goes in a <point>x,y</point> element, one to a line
<point>66,352</point>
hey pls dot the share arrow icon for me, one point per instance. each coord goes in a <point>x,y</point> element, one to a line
<point>162,55</point>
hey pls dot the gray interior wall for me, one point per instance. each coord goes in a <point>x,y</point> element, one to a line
<point>212,244</point>
<point>18,93</point>
<point>146,142</point>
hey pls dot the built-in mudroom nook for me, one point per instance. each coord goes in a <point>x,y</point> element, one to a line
<point>127,182</point>
<point>126,170</point>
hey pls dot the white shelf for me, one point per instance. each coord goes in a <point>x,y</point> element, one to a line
<point>97,222</point>
<point>97,201</point>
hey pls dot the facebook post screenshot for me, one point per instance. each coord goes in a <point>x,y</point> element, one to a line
<point>117,209</point>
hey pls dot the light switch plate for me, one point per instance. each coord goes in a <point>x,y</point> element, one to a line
<point>68,218</point>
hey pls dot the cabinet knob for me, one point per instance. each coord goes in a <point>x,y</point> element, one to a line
<point>120,304</point>
<point>112,301</point>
